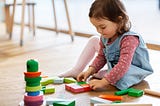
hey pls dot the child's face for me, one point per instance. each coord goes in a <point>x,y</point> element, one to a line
<point>106,28</point>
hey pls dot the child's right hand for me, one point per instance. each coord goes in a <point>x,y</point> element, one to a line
<point>84,75</point>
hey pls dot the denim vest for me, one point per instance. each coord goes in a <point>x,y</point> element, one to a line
<point>140,66</point>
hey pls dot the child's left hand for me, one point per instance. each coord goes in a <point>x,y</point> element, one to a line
<point>96,84</point>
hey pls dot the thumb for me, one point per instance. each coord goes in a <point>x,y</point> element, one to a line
<point>85,77</point>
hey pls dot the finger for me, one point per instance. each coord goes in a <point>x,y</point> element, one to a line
<point>85,78</point>
<point>92,87</point>
<point>79,77</point>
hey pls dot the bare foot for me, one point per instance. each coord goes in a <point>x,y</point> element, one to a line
<point>69,74</point>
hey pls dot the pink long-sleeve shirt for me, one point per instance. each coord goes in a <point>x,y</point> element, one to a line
<point>128,46</point>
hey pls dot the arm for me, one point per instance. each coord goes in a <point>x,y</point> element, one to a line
<point>127,47</point>
<point>100,59</point>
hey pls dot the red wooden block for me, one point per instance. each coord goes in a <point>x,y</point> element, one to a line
<point>86,87</point>
<point>75,88</point>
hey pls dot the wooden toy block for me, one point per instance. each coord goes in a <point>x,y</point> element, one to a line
<point>69,80</point>
<point>50,101</point>
<point>32,65</point>
<point>48,90</point>
<point>86,87</point>
<point>32,74</point>
<point>33,84</point>
<point>44,76</point>
<point>123,92</point>
<point>33,89</point>
<point>151,92</point>
<point>64,103</point>
<point>46,81</point>
<point>123,104</point>
<point>73,87</point>
<point>76,88</point>
<point>135,92</point>
<point>58,80</point>
<point>33,80</point>
<point>68,86</point>
<point>37,103</point>
<point>81,83</point>
<point>111,97</point>
<point>96,100</point>
<point>36,93</point>
<point>117,101</point>
<point>33,98</point>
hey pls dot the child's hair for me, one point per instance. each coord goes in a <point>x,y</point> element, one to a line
<point>112,10</point>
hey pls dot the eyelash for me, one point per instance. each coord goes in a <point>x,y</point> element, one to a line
<point>103,27</point>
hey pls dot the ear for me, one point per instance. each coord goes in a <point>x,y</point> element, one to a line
<point>120,17</point>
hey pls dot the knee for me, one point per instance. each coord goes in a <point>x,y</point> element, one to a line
<point>94,39</point>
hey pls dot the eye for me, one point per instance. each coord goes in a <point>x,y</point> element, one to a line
<point>103,27</point>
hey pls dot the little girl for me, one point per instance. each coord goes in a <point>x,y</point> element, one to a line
<point>124,51</point>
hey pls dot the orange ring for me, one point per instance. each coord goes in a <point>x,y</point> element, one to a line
<point>32,74</point>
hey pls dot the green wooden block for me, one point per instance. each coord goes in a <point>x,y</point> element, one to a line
<point>46,81</point>
<point>50,101</point>
<point>64,103</point>
<point>135,92</point>
<point>81,83</point>
<point>115,102</point>
<point>69,80</point>
<point>32,65</point>
<point>123,92</point>
<point>48,90</point>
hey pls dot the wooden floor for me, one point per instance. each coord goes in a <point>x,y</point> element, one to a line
<point>55,53</point>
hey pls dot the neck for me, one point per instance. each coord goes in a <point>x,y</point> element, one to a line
<point>113,38</point>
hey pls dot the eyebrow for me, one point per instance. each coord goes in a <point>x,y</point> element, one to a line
<point>101,25</point>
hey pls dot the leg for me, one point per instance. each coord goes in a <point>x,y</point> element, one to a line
<point>86,56</point>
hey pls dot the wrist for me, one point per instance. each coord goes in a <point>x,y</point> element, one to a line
<point>92,70</point>
<point>105,80</point>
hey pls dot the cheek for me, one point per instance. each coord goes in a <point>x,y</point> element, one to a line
<point>111,30</point>
<point>107,31</point>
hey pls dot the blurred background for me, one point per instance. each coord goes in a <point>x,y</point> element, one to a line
<point>144,15</point>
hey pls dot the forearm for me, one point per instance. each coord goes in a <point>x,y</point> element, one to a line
<point>91,70</point>
<point>100,59</point>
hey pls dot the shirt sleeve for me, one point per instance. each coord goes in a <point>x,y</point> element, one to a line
<point>128,46</point>
<point>100,59</point>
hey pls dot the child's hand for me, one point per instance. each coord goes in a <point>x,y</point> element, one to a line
<point>96,84</point>
<point>84,75</point>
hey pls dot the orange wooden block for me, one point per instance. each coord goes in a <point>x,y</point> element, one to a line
<point>44,76</point>
<point>32,74</point>
<point>111,97</point>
